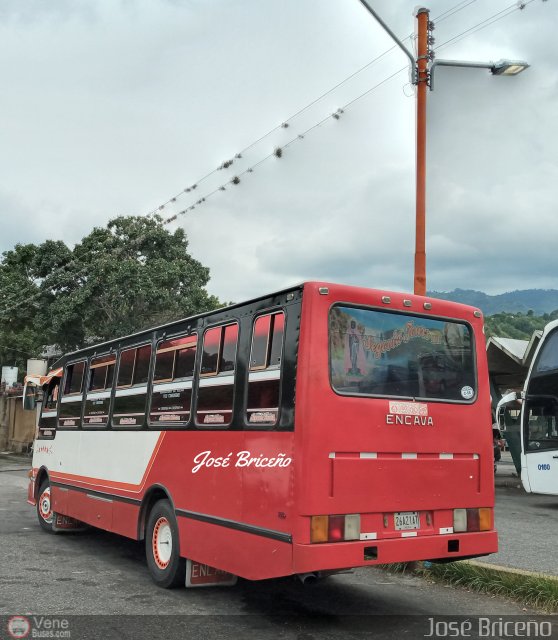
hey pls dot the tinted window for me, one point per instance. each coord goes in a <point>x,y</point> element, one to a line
<point>141,370</point>
<point>267,341</point>
<point>399,355</point>
<point>74,378</point>
<point>101,372</point>
<point>260,342</point>
<point>164,366</point>
<point>541,424</point>
<point>185,362</point>
<point>52,395</point>
<point>126,368</point>
<point>229,348</point>
<point>211,346</point>
<point>277,339</point>
<point>548,358</point>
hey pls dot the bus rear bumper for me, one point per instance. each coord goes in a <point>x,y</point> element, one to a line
<point>338,555</point>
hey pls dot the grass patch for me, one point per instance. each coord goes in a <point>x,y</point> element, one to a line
<point>532,590</point>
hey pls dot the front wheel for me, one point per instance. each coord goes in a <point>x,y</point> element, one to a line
<point>45,514</point>
<point>162,550</point>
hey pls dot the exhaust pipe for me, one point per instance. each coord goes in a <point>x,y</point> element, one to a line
<point>308,578</point>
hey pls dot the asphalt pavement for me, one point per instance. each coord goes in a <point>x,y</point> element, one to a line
<point>97,585</point>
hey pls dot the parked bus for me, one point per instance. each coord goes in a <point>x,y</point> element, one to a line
<point>537,408</point>
<point>320,428</point>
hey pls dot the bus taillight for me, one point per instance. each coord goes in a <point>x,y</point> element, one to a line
<point>335,528</point>
<point>465,520</point>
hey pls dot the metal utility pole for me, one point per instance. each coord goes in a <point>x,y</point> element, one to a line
<point>423,59</point>
<point>422,75</point>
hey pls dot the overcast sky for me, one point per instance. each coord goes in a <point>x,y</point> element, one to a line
<point>111,107</point>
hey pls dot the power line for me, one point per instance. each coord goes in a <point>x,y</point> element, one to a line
<point>284,125</point>
<point>460,6</point>
<point>456,9</point>
<point>278,151</point>
<point>504,13</point>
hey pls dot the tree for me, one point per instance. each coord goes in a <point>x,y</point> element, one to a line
<point>120,279</point>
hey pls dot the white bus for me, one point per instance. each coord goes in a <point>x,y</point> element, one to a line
<point>539,416</point>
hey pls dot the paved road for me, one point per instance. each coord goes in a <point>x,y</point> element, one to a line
<point>525,524</point>
<point>100,573</point>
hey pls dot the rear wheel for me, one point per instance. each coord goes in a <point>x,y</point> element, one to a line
<point>45,514</point>
<point>162,550</point>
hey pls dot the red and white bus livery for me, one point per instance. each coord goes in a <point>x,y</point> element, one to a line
<point>316,429</point>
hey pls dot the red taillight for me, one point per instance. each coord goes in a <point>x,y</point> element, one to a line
<point>336,528</point>
<point>473,520</point>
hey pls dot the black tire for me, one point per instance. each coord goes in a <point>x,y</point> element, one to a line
<point>45,515</point>
<point>162,548</point>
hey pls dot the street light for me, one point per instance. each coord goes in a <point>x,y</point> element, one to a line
<point>500,68</point>
<point>422,75</point>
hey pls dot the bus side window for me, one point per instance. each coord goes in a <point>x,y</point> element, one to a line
<point>264,376</point>
<point>47,420</point>
<point>70,404</point>
<point>51,397</point>
<point>130,398</point>
<point>97,401</point>
<point>171,397</point>
<point>216,384</point>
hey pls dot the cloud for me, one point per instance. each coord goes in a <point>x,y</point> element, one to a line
<point>114,107</point>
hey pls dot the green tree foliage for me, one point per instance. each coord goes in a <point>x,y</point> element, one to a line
<point>517,325</point>
<point>125,277</point>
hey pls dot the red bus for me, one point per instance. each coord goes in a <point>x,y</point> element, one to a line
<point>316,429</point>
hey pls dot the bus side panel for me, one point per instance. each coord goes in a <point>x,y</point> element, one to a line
<point>125,519</point>
<point>91,509</point>
<point>249,556</point>
<point>242,479</point>
<point>59,497</point>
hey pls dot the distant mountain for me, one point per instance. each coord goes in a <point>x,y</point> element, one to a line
<point>539,301</point>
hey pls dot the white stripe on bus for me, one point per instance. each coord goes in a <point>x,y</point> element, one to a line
<point>171,386</point>
<point>273,374</point>
<point>217,381</point>
<point>98,395</point>
<point>134,391</point>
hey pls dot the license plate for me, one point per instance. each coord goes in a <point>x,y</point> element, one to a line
<point>407,520</point>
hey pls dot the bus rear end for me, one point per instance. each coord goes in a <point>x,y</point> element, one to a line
<point>393,438</point>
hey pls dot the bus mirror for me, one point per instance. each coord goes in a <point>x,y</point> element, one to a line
<point>29,398</point>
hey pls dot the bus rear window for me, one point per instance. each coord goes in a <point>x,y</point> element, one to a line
<point>380,353</point>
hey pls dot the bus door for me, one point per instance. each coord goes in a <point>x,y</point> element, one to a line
<point>540,420</point>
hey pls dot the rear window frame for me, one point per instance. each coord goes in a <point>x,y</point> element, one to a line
<point>411,314</point>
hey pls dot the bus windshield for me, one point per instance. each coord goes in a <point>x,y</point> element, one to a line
<point>382,353</point>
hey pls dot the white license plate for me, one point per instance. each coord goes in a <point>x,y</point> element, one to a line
<point>407,520</point>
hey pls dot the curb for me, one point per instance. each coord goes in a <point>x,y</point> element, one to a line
<point>512,570</point>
